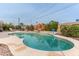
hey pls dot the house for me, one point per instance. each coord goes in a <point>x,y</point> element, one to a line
<point>39,27</point>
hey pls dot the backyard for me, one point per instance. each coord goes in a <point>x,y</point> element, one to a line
<point>69,32</point>
<point>40,30</point>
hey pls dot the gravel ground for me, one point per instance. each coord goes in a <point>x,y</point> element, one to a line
<point>4,50</point>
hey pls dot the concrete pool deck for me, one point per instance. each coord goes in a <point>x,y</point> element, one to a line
<point>17,47</point>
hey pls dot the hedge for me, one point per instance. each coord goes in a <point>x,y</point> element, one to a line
<point>70,30</point>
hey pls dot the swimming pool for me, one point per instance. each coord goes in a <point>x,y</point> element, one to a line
<point>46,42</point>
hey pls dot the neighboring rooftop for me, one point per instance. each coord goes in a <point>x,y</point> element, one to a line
<point>70,23</point>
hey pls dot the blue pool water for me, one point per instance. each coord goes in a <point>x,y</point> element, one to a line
<point>45,42</point>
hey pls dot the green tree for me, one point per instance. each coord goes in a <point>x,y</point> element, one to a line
<point>53,25</point>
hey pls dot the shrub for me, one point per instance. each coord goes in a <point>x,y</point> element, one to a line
<point>6,27</point>
<point>70,30</point>
<point>47,27</point>
<point>30,27</point>
<point>20,26</point>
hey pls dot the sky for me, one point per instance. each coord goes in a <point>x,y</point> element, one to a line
<point>30,13</point>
